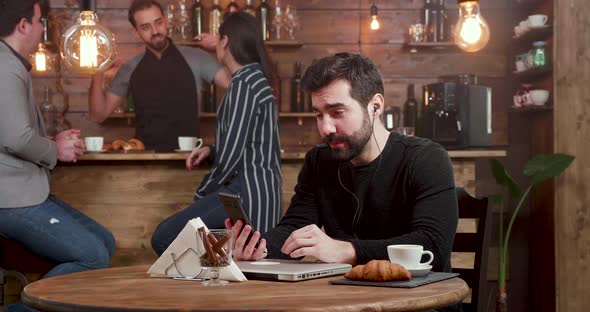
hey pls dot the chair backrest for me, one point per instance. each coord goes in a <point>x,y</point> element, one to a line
<point>474,243</point>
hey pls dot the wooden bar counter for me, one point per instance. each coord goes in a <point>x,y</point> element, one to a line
<point>132,193</point>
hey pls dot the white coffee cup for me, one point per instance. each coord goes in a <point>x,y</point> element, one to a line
<point>537,20</point>
<point>408,256</point>
<point>94,144</point>
<point>189,143</point>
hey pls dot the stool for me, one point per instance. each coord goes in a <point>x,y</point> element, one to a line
<point>16,261</point>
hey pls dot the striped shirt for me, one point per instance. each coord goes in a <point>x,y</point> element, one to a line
<point>247,147</point>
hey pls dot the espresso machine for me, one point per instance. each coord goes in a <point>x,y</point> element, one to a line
<point>456,114</point>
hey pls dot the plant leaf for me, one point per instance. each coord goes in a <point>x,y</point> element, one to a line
<point>546,166</point>
<point>503,178</point>
<point>497,199</point>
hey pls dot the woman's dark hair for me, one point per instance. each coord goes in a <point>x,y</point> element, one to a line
<point>245,41</point>
<point>12,12</point>
<point>362,74</point>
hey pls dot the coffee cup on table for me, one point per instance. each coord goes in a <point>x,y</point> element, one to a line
<point>408,256</point>
<point>537,20</point>
<point>189,143</point>
<point>94,144</point>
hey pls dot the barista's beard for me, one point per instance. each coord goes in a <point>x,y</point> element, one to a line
<point>160,45</point>
<point>356,142</point>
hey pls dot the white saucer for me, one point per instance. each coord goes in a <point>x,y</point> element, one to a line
<point>182,151</point>
<point>420,271</point>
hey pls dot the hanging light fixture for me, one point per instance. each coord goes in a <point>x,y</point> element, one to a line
<point>43,59</point>
<point>88,47</point>
<point>374,21</point>
<point>471,32</point>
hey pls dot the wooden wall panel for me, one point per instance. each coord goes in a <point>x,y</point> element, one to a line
<point>572,136</point>
<point>330,26</point>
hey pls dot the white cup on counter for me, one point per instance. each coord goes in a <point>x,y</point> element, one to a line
<point>186,143</point>
<point>94,144</point>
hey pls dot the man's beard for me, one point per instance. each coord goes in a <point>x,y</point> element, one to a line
<point>356,142</point>
<point>160,45</point>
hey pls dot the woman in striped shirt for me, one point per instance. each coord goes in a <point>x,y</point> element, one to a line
<point>246,153</point>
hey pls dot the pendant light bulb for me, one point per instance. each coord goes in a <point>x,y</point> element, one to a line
<point>42,61</point>
<point>374,21</point>
<point>89,48</point>
<point>471,32</point>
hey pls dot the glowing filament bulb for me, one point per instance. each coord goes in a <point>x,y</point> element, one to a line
<point>88,48</point>
<point>471,31</point>
<point>41,59</point>
<point>375,23</point>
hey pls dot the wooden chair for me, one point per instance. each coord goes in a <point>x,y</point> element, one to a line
<point>474,243</point>
<point>16,261</point>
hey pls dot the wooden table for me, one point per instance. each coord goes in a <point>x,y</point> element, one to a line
<point>130,289</point>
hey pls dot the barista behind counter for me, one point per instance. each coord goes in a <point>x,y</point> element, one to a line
<point>164,81</point>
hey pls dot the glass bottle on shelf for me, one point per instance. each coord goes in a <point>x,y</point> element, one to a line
<point>426,18</point>
<point>130,104</point>
<point>231,7</point>
<point>442,30</point>
<point>197,18</point>
<point>215,18</point>
<point>249,8</point>
<point>49,113</point>
<point>263,15</point>
<point>212,102</point>
<point>432,30</point>
<point>539,55</point>
<point>410,108</point>
<point>297,95</point>
<point>277,82</point>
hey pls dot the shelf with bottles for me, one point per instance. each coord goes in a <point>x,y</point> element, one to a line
<point>547,107</point>
<point>535,34</point>
<point>533,73</point>
<point>281,115</point>
<point>269,43</point>
<point>415,47</point>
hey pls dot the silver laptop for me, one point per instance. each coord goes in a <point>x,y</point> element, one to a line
<point>290,270</point>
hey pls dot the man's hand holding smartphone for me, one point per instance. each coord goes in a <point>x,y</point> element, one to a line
<point>249,251</point>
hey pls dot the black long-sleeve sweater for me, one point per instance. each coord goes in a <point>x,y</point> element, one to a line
<point>409,199</point>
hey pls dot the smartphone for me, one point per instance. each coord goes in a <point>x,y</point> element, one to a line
<point>232,203</point>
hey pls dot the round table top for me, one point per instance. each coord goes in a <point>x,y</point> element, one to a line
<point>131,289</point>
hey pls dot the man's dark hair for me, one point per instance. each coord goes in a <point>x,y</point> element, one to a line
<point>138,5</point>
<point>12,12</point>
<point>358,70</point>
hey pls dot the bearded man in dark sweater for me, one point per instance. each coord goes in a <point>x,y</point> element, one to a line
<point>368,188</point>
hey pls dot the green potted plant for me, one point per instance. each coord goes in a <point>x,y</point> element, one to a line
<point>540,168</point>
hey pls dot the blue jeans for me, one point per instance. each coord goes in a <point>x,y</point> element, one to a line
<point>55,231</point>
<point>208,208</point>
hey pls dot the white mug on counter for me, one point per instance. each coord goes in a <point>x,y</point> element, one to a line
<point>408,256</point>
<point>94,144</point>
<point>186,143</point>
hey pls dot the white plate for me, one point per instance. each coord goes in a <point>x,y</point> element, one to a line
<point>421,270</point>
<point>182,151</point>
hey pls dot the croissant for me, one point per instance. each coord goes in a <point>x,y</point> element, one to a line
<point>107,147</point>
<point>118,144</point>
<point>379,271</point>
<point>136,144</point>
